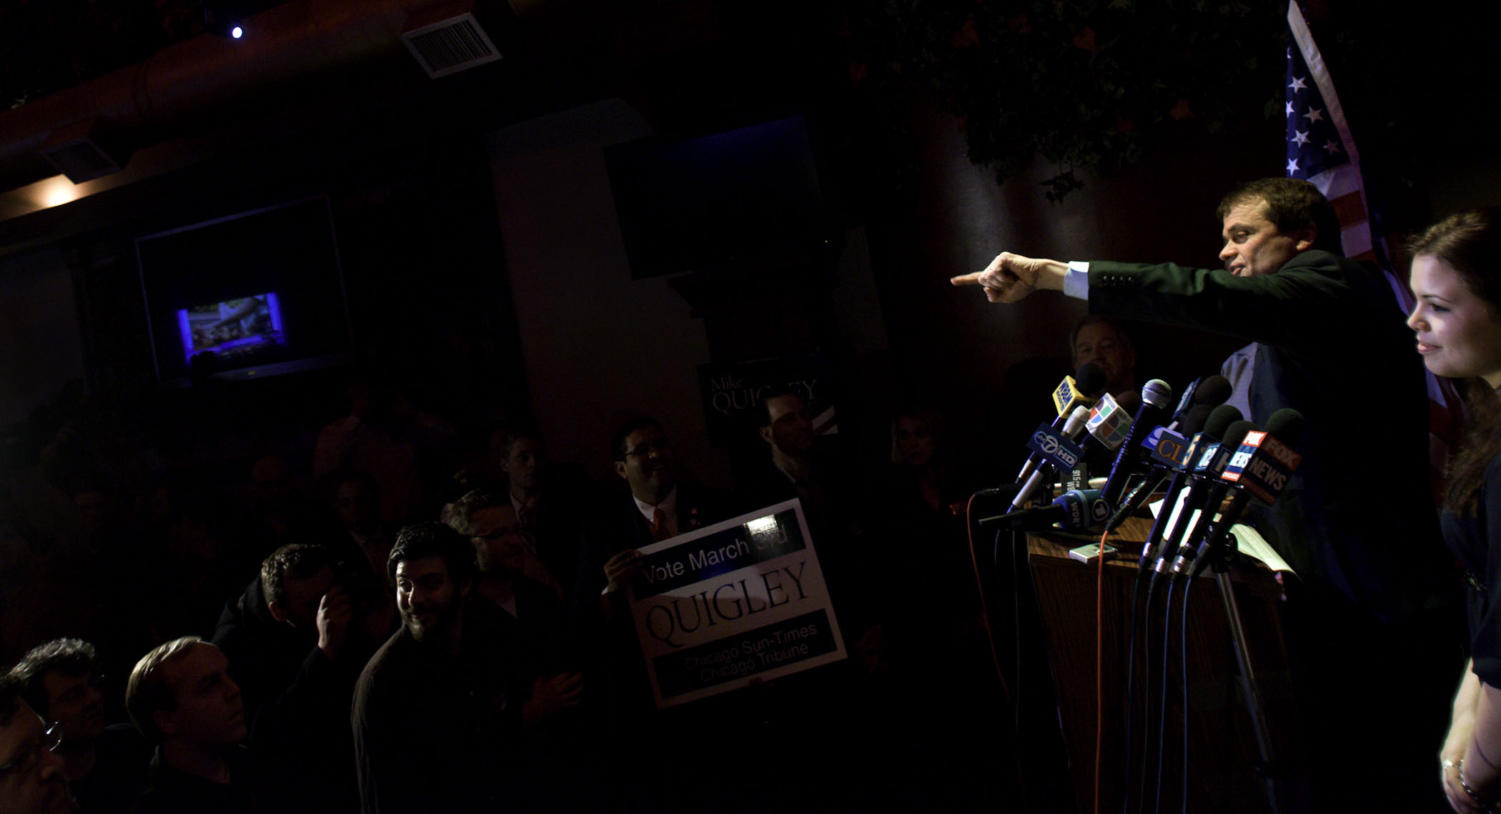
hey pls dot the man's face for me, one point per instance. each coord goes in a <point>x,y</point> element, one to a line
<point>426,595</point>
<point>790,431</point>
<point>523,464</point>
<point>499,544</point>
<point>1098,342</point>
<point>1253,245</point>
<point>649,466</point>
<point>209,710</point>
<point>31,774</point>
<point>302,597</point>
<point>75,702</point>
<point>355,503</point>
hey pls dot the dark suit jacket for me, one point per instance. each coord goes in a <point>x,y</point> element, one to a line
<point>1358,515</point>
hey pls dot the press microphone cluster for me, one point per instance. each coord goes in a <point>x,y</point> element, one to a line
<point>1152,445</point>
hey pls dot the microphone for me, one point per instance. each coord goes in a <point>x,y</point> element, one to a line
<point>1219,420</point>
<point>1069,395</point>
<point>1075,510</point>
<point>1169,448</point>
<point>1205,473</point>
<point>1260,469</point>
<point>1202,395</point>
<point>1057,452</point>
<point>1156,398</point>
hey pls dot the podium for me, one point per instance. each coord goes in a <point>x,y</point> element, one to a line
<point>1223,769</point>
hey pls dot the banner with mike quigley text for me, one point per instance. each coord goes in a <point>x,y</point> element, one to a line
<point>739,600</point>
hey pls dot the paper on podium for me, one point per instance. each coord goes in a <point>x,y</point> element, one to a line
<point>1248,540</point>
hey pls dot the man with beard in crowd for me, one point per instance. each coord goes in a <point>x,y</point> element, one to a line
<point>434,725</point>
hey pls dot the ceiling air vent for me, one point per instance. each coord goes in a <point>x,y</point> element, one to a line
<point>74,150</point>
<point>450,45</point>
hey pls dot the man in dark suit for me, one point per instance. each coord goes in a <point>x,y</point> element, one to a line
<point>660,505</point>
<point>1325,333</point>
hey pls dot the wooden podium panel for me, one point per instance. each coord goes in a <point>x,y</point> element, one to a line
<point>1223,755</point>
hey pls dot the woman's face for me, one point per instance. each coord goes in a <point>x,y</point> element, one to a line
<point>1459,334</point>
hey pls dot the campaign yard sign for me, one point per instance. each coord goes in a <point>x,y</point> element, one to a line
<point>740,600</point>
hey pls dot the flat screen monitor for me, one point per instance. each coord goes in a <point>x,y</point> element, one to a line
<point>250,295</point>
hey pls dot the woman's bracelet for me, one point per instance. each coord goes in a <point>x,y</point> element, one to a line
<point>1483,801</point>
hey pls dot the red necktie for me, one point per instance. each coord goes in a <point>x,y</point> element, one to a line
<point>659,529</point>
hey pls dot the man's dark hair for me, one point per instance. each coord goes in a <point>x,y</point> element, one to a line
<point>1291,204</point>
<point>71,657</point>
<point>297,560</point>
<point>617,441</point>
<point>763,416</point>
<point>433,539</point>
<point>456,514</point>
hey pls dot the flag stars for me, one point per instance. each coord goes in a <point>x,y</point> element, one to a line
<point>1292,165</point>
<point>1332,147</point>
<point>1290,113</point>
<point>1300,137</point>
<point>1298,83</point>
<point>1314,115</point>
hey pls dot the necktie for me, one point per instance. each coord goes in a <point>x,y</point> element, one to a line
<point>659,529</point>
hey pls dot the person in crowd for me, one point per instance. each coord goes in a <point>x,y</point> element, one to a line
<point>549,505</point>
<point>488,520</point>
<point>1104,341</point>
<point>296,640</point>
<point>1456,282</point>
<point>660,505</point>
<point>357,505</point>
<point>387,435</point>
<point>31,772</point>
<point>1373,585</point>
<point>435,726</point>
<point>181,697</point>
<point>539,656</point>
<point>105,765</point>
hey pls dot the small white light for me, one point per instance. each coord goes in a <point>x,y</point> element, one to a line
<point>237,32</point>
<point>762,525</point>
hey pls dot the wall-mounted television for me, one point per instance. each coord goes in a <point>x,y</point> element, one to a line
<point>254,294</point>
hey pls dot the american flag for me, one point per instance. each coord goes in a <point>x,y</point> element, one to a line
<point>1321,150</point>
<point>1319,146</point>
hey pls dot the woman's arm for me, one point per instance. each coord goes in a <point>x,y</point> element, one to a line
<point>1461,727</point>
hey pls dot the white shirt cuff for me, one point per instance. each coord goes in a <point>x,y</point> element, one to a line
<point>1076,281</point>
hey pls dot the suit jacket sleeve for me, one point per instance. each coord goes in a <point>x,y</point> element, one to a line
<point>1305,304</point>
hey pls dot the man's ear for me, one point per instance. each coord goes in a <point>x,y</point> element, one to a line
<point>1304,238</point>
<point>165,720</point>
<point>620,469</point>
<point>278,612</point>
<point>766,434</point>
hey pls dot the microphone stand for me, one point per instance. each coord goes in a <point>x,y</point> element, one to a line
<point>1267,767</point>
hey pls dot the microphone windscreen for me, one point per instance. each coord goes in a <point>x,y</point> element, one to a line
<point>1219,420</point>
<point>1089,380</point>
<point>1286,425</point>
<point>1212,391</point>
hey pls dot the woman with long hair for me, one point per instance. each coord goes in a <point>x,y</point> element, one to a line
<point>1456,281</point>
